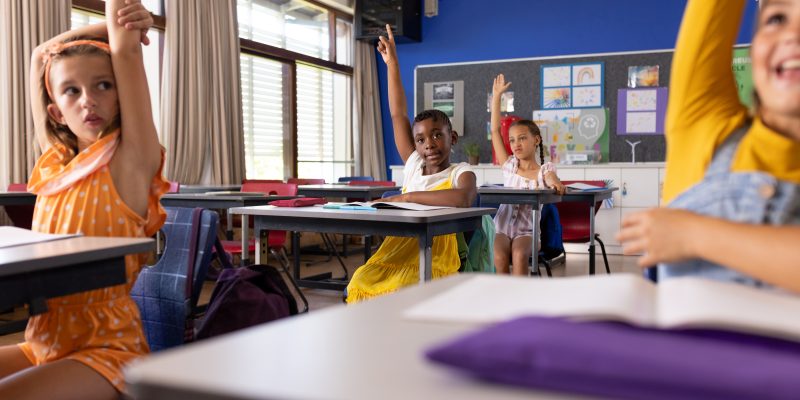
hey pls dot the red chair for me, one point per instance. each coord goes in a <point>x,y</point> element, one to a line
<point>575,221</point>
<point>261,181</point>
<point>174,187</point>
<point>372,183</point>
<point>21,216</point>
<point>306,181</point>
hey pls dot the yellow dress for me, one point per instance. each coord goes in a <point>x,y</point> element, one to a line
<point>396,263</point>
<point>100,328</point>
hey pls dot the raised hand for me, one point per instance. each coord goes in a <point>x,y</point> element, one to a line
<point>134,16</point>
<point>500,85</point>
<point>386,47</point>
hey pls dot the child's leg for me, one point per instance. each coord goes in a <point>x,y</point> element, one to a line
<point>502,249</point>
<point>520,255</point>
<point>12,360</point>
<point>63,379</point>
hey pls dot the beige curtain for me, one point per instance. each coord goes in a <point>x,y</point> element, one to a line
<point>200,95</point>
<point>24,24</point>
<point>370,158</point>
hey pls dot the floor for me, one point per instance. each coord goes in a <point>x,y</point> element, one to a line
<point>574,265</point>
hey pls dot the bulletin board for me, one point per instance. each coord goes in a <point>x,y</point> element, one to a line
<point>525,76</point>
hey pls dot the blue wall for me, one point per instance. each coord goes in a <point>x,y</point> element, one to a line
<point>478,30</point>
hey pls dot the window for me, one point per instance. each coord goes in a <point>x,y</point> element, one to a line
<point>296,89</point>
<point>151,54</point>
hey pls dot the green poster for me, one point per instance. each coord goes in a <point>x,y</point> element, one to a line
<point>742,71</point>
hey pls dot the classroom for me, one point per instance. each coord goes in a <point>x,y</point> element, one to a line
<point>360,199</point>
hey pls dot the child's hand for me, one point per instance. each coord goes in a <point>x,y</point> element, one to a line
<point>134,16</point>
<point>662,234</point>
<point>500,85</point>
<point>400,198</point>
<point>387,48</point>
<point>560,188</point>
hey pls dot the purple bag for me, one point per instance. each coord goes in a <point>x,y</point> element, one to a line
<point>244,297</point>
<point>622,361</point>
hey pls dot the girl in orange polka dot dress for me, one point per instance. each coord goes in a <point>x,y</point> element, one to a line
<point>100,175</point>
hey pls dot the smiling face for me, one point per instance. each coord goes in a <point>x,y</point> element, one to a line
<point>775,54</point>
<point>522,142</point>
<point>84,95</point>
<point>432,140</point>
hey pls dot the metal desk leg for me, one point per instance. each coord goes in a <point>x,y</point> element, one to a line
<point>367,248</point>
<point>246,242</point>
<point>535,241</point>
<point>591,237</point>
<point>425,258</point>
<point>229,226</point>
<point>261,243</point>
<point>296,254</point>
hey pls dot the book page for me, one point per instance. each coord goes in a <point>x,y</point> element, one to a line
<point>494,298</point>
<point>406,206</point>
<point>583,186</point>
<point>13,236</point>
<point>704,303</point>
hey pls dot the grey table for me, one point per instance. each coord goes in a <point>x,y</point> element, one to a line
<point>208,188</point>
<point>17,199</point>
<point>533,197</point>
<point>423,225</point>
<point>378,355</point>
<point>590,197</point>
<point>222,202</point>
<point>33,273</point>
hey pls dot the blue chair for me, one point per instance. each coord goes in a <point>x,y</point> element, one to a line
<point>355,178</point>
<point>167,292</point>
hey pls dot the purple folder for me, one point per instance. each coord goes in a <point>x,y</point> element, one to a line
<point>622,361</point>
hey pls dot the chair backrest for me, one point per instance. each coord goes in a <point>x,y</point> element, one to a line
<point>174,187</point>
<point>167,292</point>
<point>371,183</point>
<point>306,181</point>
<point>261,181</point>
<point>391,193</point>
<point>355,178</point>
<point>271,188</point>
<point>574,217</point>
<point>21,216</point>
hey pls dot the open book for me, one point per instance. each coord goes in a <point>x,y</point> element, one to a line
<point>13,236</point>
<point>386,204</point>
<point>583,187</point>
<point>675,303</point>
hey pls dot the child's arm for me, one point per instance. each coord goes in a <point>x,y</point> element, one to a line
<point>463,195</point>
<point>37,92</point>
<point>768,253</point>
<point>498,88</point>
<point>403,138</point>
<point>551,180</point>
<point>139,147</point>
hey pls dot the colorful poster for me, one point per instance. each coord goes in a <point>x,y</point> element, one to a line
<point>643,76</point>
<point>574,136</point>
<point>742,71</point>
<point>572,85</point>
<point>447,97</point>
<point>641,111</point>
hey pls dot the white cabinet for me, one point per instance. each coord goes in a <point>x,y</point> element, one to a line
<point>607,224</point>
<point>662,173</point>
<point>493,175</point>
<point>570,174</point>
<point>639,187</point>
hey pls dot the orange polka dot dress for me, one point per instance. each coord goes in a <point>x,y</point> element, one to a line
<point>100,328</point>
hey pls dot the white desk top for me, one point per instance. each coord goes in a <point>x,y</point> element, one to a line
<point>403,216</point>
<point>362,351</point>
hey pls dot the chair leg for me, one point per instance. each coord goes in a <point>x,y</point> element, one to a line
<point>332,248</point>
<point>603,248</point>
<point>283,260</point>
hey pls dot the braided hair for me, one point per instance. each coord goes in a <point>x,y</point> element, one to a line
<point>533,129</point>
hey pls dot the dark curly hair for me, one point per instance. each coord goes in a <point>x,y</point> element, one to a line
<point>436,116</point>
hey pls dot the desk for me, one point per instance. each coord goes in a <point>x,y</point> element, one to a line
<point>208,188</point>
<point>17,199</point>
<point>365,193</point>
<point>33,273</point>
<point>533,197</point>
<point>222,202</point>
<point>377,355</point>
<point>423,225</point>
<point>590,197</point>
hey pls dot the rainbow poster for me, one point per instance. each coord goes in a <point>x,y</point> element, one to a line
<point>572,86</point>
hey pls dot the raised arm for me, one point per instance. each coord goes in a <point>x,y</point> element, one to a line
<point>463,195</point>
<point>768,253</point>
<point>498,88</point>
<point>139,147</point>
<point>397,97</point>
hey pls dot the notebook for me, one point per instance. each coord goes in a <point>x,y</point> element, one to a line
<point>583,187</point>
<point>387,205</point>
<point>675,303</point>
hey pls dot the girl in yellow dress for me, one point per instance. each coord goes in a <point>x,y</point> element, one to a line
<point>100,175</point>
<point>429,178</point>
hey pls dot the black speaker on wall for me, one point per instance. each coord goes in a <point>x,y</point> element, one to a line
<point>404,16</point>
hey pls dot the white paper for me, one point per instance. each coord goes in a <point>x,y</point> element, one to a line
<point>586,96</point>
<point>12,236</point>
<point>586,74</point>
<point>642,100</point>
<point>556,76</point>
<point>398,205</point>
<point>583,186</point>
<point>640,122</point>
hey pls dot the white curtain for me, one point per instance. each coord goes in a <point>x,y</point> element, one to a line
<point>369,151</point>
